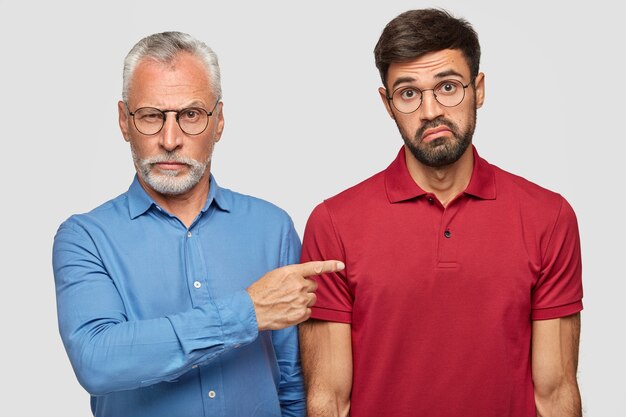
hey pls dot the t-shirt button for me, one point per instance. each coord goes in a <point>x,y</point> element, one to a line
<point>431,200</point>
<point>447,233</point>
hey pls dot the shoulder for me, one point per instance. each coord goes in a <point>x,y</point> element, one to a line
<point>366,193</point>
<point>351,207</point>
<point>536,204</point>
<point>110,212</point>
<point>526,192</point>
<point>253,208</point>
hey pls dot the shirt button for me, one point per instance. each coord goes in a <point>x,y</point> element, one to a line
<point>197,284</point>
<point>211,394</point>
<point>447,233</point>
<point>431,200</point>
<point>188,234</point>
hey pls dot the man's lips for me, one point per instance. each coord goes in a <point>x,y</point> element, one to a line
<point>170,165</point>
<point>432,134</point>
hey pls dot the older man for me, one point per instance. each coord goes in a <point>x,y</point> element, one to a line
<point>462,288</point>
<point>157,301</point>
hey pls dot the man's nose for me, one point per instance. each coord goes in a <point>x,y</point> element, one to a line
<point>171,134</point>
<point>430,108</point>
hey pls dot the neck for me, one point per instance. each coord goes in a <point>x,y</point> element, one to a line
<point>185,206</point>
<point>444,182</point>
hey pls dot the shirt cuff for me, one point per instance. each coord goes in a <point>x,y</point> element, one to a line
<point>225,322</point>
<point>328,314</point>
<point>238,318</point>
<point>557,312</point>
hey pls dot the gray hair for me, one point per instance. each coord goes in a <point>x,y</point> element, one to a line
<point>164,47</point>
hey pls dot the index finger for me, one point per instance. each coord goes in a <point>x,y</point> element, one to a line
<point>318,267</point>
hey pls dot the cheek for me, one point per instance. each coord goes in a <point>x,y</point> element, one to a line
<point>204,150</point>
<point>465,121</point>
<point>408,125</point>
<point>141,149</point>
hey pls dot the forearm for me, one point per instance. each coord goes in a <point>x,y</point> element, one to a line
<point>320,404</point>
<point>291,387</point>
<point>564,401</point>
<point>326,351</point>
<point>109,353</point>
<point>554,366</point>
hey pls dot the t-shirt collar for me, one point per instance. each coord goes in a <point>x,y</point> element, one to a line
<point>400,185</point>
<point>139,201</point>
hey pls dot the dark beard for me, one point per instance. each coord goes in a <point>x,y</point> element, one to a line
<point>440,152</point>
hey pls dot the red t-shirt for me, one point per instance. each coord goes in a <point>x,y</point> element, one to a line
<point>440,300</point>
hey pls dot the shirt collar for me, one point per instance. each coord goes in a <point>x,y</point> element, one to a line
<point>400,185</point>
<point>139,201</point>
<point>483,182</point>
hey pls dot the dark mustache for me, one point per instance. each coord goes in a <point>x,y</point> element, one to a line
<point>441,121</point>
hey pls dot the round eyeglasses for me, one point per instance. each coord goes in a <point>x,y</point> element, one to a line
<point>407,98</point>
<point>191,120</point>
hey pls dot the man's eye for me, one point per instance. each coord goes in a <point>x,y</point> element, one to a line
<point>191,114</point>
<point>151,116</point>
<point>409,94</point>
<point>447,88</point>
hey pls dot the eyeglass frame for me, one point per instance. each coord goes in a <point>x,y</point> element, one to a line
<point>177,112</point>
<point>390,98</point>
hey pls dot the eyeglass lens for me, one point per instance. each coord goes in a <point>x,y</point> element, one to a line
<point>149,120</point>
<point>449,93</point>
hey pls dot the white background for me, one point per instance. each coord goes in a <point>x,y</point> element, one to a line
<point>303,121</point>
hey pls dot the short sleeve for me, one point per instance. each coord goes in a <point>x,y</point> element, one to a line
<point>558,291</point>
<point>321,242</point>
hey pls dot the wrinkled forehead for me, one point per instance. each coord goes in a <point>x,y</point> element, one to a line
<point>430,67</point>
<point>184,78</point>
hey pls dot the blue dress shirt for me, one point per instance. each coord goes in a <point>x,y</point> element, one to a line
<point>155,317</point>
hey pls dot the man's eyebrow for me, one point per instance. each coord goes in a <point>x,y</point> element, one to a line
<point>402,80</point>
<point>439,75</point>
<point>448,73</point>
<point>195,103</point>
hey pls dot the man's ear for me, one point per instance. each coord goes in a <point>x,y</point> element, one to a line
<point>220,121</point>
<point>383,95</point>
<point>480,89</point>
<point>122,114</point>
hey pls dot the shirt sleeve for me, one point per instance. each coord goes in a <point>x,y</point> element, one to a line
<point>558,291</point>
<point>110,353</point>
<point>321,242</point>
<point>291,387</point>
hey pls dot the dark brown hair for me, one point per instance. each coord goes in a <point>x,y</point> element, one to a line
<point>417,32</point>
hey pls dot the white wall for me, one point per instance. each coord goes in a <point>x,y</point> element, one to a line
<point>303,121</point>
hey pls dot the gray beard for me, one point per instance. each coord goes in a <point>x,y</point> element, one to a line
<point>169,182</point>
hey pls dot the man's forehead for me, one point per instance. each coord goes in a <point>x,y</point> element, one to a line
<point>431,65</point>
<point>183,62</point>
<point>185,78</point>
